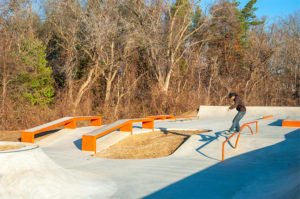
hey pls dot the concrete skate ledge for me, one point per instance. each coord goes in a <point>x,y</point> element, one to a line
<point>67,122</point>
<point>89,140</point>
<point>286,123</point>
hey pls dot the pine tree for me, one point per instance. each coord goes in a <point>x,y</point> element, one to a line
<point>247,17</point>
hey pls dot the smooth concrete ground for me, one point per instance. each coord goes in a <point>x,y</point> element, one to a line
<point>265,165</point>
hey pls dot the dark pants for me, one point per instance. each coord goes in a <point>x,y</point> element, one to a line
<point>235,122</point>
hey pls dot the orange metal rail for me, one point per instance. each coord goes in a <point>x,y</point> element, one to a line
<point>89,141</point>
<point>239,134</point>
<point>267,116</point>
<point>69,123</point>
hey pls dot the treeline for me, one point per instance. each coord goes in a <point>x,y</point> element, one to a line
<point>131,58</point>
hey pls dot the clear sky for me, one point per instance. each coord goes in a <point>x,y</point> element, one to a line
<point>270,8</point>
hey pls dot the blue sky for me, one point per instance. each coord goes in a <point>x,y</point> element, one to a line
<point>270,8</point>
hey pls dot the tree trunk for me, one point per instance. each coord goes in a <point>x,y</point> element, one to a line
<point>107,92</point>
<point>3,108</point>
<point>84,87</point>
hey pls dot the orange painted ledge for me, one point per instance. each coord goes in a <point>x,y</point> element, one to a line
<point>290,123</point>
<point>28,136</point>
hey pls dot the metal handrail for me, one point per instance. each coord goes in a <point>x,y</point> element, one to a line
<point>237,139</point>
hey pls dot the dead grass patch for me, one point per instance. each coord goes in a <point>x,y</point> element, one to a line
<point>9,147</point>
<point>14,136</point>
<point>188,113</point>
<point>147,145</point>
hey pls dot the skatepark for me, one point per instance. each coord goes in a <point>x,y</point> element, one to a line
<point>262,162</point>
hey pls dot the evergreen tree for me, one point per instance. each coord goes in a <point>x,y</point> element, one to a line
<point>37,83</point>
<point>247,17</point>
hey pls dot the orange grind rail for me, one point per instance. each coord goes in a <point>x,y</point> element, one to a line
<point>267,116</point>
<point>239,134</point>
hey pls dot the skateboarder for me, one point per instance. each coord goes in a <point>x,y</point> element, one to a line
<point>240,107</point>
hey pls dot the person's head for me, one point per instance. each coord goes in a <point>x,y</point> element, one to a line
<point>232,96</point>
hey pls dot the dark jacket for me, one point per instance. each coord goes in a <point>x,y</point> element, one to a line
<point>238,104</point>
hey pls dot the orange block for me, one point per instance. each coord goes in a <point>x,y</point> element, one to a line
<point>290,123</point>
<point>127,127</point>
<point>27,137</point>
<point>88,143</point>
<point>96,122</point>
<point>71,125</point>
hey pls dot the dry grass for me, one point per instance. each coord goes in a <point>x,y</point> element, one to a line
<point>188,113</point>
<point>147,145</point>
<point>9,147</point>
<point>14,136</point>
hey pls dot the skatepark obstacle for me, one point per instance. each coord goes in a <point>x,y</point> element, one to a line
<point>267,116</point>
<point>239,133</point>
<point>286,123</point>
<point>67,122</point>
<point>89,139</point>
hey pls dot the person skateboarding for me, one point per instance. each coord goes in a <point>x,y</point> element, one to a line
<point>240,107</point>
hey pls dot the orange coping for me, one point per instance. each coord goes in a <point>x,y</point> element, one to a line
<point>89,141</point>
<point>239,134</point>
<point>290,123</point>
<point>161,117</point>
<point>267,116</point>
<point>28,136</point>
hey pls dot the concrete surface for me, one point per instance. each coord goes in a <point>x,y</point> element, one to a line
<point>29,173</point>
<point>265,165</point>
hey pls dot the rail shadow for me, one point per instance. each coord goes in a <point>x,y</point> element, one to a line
<point>276,123</point>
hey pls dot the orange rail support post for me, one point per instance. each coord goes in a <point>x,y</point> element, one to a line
<point>223,147</point>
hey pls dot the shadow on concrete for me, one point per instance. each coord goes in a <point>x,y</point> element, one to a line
<point>209,139</point>
<point>46,133</point>
<point>78,143</point>
<point>276,123</point>
<point>263,173</point>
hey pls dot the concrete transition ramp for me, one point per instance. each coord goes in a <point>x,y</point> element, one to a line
<point>29,173</point>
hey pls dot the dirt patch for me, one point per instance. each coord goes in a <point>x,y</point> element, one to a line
<point>147,145</point>
<point>15,136</point>
<point>9,147</point>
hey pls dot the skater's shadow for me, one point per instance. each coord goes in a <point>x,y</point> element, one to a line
<point>209,139</point>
